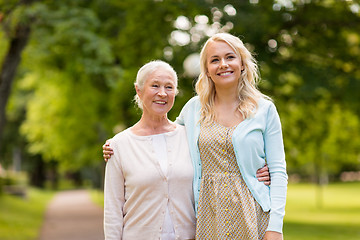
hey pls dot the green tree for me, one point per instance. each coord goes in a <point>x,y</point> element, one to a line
<point>79,70</point>
<point>75,83</point>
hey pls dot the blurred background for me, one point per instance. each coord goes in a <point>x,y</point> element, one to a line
<point>66,85</point>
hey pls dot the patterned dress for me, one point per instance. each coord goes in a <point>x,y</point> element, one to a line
<point>227,209</point>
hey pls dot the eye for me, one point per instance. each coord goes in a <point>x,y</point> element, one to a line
<point>230,57</point>
<point>169,87</point>
<point>214,60</point>
<point>155,85</point>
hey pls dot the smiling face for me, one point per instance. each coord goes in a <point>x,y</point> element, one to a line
<point>223,65</point>
<point>158,93</point>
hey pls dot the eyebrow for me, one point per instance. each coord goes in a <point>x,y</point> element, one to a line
<point>158,82</point>
<point>229,53</point>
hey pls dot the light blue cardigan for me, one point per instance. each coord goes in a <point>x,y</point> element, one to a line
<point>255,140</point>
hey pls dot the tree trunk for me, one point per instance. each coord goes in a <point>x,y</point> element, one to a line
<point>37,173</point>
<point>17,43</point>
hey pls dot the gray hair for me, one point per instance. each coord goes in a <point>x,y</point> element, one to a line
<point>148,69</point>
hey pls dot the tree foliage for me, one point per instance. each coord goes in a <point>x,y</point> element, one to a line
<point>74,86</point>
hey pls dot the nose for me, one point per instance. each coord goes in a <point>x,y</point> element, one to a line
<point>162,92</point>
<point>223,63</point>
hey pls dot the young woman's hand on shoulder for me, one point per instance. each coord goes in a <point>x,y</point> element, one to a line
<point>107,150</point>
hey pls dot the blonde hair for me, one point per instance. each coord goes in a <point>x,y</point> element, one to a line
<point>146,70</point>
<point>248,93</point>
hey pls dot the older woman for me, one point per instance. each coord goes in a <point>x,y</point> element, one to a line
<point>148,181</point>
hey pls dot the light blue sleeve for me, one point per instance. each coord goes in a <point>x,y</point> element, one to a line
<point>180,119</point>
<point>275,157</point>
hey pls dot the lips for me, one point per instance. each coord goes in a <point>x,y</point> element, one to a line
<point>160,102</point>
<point>227,73</point>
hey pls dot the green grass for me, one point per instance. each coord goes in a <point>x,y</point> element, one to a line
<point>330,212</point>
<point>337,218</point>
<point>20,218</point>
<point>313,213</point>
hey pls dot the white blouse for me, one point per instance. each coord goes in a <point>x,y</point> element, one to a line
<point>159,144</point>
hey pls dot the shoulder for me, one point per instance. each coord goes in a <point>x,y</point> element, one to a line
<point>268,112</point>
<point>265,109</point>
<point>192,105</point>
<point>265,103</point>
<point>178,131</point>
<point>193,102</point>
<point>179,128</point>
<point>194,99</point>
<point>178,136</point>
<point>190,108</point>
<point>121,137</point>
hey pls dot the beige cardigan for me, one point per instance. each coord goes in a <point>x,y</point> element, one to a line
<point>137,192</point>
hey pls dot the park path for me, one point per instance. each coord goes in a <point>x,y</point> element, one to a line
<point>71,215</point>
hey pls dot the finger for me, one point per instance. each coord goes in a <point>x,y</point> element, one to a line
<point>263,179</point>
<point>106,157</point>
<point>108,152</point>
<point>263,174</point>
<point>107,148</point>
<point>264,169</point>
<point>267,183</point>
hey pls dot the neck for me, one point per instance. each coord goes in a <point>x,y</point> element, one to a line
<point>151,125</point>
<point>226,108</point>
<point>226,97</point>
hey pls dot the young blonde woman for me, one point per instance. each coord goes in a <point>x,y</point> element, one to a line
<point>233,130</point>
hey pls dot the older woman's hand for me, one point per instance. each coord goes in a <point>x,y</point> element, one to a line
<point>107,150</point>
<point>263,175</point>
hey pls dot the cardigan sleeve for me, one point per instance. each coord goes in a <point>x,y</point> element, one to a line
<point>275,157</point>
<point>181,118</point>
<point>114,198</point>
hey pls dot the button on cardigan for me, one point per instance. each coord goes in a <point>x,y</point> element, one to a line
<point>137,192</point>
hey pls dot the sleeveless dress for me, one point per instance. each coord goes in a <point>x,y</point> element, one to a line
<point>227,210</point>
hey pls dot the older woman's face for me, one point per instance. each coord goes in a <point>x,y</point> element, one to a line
<point>158,93</point>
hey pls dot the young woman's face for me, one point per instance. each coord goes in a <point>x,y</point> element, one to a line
<point>158,93</point>
<point>223,65</point>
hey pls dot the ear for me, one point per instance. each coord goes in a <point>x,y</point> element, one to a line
<point>138,91</point>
